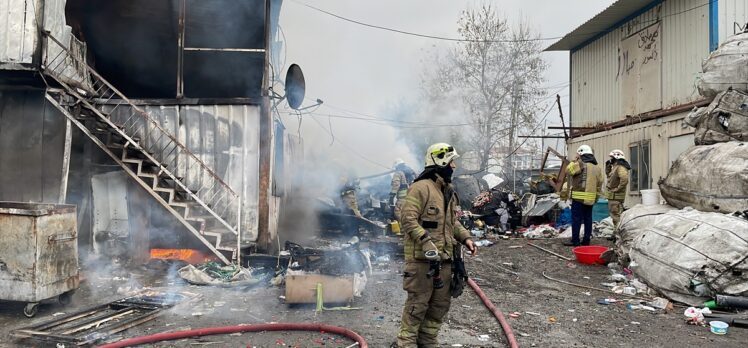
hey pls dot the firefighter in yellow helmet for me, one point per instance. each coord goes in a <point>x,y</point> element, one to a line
<point>585,182</point>
<point>618,180</point>
<point>432,233</point>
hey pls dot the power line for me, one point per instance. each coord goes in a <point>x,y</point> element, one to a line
<point>348,148</point>
<point>435,37</point>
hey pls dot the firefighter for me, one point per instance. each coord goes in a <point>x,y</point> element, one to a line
<point>348,187</point>
<point>585,182</point>
<point>618,180</point>
<point>402,178</point>
<point>432,231</point>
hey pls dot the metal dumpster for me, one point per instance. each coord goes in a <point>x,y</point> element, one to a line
<point>38,253</point>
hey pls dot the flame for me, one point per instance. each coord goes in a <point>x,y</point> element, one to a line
<point>190,256</point>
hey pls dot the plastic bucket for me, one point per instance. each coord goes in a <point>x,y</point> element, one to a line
<point>650,197</point>
<point>590,254</point>
<point>718,327</point>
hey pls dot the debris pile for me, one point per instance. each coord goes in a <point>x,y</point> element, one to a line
<point>726,67</point>
<point>688,255</point>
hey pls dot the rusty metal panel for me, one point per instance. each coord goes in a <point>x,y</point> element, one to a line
<point>224,137</point>
<point>18,33</point>
<point>596,88</point>
<point>732,17</point>
<point>38,251</point>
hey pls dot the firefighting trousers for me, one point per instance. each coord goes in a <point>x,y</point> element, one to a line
<point>615,208</point>
<point>425,307</point>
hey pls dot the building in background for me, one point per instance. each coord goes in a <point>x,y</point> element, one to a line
<point>633,69</point>
<point>153,117</point>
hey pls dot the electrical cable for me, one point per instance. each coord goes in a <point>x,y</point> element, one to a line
<point>348,148</point>
<point>469,40</point>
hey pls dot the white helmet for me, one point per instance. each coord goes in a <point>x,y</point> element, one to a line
<point>440,154</point>
<point>584,150</point>
<point>617,154</point>
<point>398,161</point>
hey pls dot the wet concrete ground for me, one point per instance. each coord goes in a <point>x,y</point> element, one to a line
<point>547,310</point>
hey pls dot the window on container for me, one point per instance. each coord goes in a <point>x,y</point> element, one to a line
<point>639,177</point>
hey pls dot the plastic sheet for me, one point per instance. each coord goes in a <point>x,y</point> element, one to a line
<point>726,67</point>
<point>709,178</point>
<point>686,254</point>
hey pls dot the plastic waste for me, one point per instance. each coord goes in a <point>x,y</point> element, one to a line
<point>484,243</point>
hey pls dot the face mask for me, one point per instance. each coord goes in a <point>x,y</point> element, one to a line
<point>446,173</point>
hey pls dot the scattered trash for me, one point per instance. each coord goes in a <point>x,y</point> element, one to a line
<point>585,277</point>
<point>540,231</point>
<point>660,303</point>
<point>379,318</point>
<point>484,243</point>
<point>483,338</point>
<point>606,301</point>
<point>533,313</point>
<point>384,258</point>
<point>476,233</point>
<point>636,306</point>
<point>214,273</point>
<point>574,320</point>
<point>60,345</point>
<point>514,314</point>
<point>466,306</point>
<point>58,314</point>
<point>718,327</point>
<point>515,246</point>
<point>523,334</point>
<point>635,323</point>
<point>457,345</point>
<point>629,290</point>
<point>695,315</point>
<point>552,319</point>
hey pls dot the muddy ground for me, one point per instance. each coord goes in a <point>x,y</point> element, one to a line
<point>550,313</point>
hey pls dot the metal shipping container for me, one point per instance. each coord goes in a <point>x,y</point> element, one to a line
<point>38,253</point>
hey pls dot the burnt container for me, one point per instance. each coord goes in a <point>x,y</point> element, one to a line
<point>38,253</point>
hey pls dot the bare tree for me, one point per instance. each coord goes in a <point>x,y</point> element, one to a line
<point>493,75</point>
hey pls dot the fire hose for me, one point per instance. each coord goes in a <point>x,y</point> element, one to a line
<point>222,330</point>
<point>496,312</point>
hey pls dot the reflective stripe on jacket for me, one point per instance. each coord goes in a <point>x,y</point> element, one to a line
<point>586,181</point>
<point>424,213</point>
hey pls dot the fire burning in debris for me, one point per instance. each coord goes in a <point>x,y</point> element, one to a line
<point>190,256</point>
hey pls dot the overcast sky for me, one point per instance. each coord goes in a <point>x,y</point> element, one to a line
<point>367,70</point>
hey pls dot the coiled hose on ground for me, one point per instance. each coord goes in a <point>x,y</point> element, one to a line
<point>168,336</point>
<point>496,312</point>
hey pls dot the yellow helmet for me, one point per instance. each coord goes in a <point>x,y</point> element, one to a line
<point>440,154</point>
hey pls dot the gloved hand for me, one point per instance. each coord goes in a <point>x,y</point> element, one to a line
<point>430,250</point>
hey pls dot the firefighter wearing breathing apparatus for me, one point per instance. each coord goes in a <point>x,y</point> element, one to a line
<point>618,180</point>
<point>433,270</point>
<point>585,182</point>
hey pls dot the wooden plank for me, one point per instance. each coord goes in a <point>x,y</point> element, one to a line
<point>303,288</point>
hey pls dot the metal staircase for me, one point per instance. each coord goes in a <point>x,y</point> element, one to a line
<point>178,179</point>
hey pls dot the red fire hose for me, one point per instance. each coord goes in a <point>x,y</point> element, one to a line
<point>167,336</point>
<point>497,313</point>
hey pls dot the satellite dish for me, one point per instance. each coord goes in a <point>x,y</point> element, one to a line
<point>295,86</point>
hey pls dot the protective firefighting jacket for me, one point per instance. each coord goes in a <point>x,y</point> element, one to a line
<point>427,215</point>
<point>618,179</point>
<point>586,181</point>
<point>399,185</point>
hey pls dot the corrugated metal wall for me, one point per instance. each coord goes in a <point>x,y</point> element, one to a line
<point>17,31</point>
<point>731,12</point>
<point>596,91</point>
<point>19,34</point>
<point>657,132</point>
<point>225,138</point>
<point>32,139</point>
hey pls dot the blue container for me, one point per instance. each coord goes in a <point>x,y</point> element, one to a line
<point>600,210</point>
